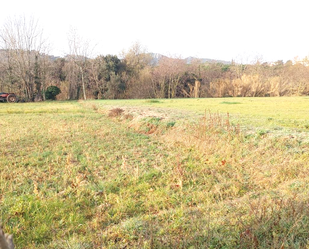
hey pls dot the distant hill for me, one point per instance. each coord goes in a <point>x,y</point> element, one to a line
<point>51,57</point>
<point>205,60</point>
<point>156,57</point>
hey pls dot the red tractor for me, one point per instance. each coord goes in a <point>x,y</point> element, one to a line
<point>9,97</point>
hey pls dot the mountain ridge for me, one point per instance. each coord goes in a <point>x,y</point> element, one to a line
<point>157,56</point>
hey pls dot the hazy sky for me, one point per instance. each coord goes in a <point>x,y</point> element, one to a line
<point>218,29</point>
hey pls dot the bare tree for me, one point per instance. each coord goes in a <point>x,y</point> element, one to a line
<point>137,65</point>
<point>79,54</point>
<point>167,76</point>
<point>23,43</point>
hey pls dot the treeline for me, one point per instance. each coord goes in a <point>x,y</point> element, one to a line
<point>27,70</point>
<point>139,75</point>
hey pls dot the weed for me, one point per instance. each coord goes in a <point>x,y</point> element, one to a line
<point>128,116</point>
<point>116,112</point>
<point>94,107</point>
<point>261,132</point>
<point>170,124</point>
<point>230,103</point>
<point>153,101</point>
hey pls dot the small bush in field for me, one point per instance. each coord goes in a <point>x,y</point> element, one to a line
<point>51,92</point>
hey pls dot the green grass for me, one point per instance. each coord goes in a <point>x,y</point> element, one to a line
<point>289,112</point>
<point>73,177</point>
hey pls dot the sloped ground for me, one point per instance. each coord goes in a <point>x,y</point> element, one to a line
<point>251,172</point>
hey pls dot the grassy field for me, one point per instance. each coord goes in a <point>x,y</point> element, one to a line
<point>178,173</point>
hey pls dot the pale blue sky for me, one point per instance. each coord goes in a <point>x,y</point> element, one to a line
<point>219,29</point>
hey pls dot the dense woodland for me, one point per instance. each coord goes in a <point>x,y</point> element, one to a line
<point>27,69</point>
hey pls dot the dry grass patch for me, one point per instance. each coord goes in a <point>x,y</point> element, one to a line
<point>116,112</point>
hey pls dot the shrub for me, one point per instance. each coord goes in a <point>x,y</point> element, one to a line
<point>51,92</point>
